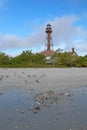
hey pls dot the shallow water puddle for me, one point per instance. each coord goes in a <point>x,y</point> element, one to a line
<point>25,109</point>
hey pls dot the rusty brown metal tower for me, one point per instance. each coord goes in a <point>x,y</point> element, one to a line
<point>49,46</point>
<point>49,37</point>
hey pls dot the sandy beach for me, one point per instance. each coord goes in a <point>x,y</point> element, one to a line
<point>43,99</point>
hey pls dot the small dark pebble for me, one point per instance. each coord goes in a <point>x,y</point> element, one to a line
<point>61,94</point>
<point>28,98</point>
<point>35,112</point>
<point>57,118</point>
<point>60,113</point>
<point>22,112</point>
<point>46,98</point>
<point>1,93</point>
<point>72,99</point>
<point>37,108</point>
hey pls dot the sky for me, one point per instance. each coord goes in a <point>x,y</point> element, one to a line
<point>23,24</point>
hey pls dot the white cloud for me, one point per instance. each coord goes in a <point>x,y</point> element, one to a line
<point>65,35</point>
<point>8,42</point>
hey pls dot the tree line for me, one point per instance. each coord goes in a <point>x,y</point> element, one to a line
<point>27,59</point>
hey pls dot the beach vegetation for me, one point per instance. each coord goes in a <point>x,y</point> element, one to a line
<point>27,59</point>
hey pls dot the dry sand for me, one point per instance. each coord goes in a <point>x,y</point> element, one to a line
<point>43,99</point>
<point>47,78</point>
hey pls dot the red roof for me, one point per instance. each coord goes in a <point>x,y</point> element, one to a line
<point>47,53</point>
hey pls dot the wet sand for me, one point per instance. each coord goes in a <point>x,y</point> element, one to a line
<point>43,99</point>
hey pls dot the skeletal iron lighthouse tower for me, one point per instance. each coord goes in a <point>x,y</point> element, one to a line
<point>49,46</point>
<point>49,37</point>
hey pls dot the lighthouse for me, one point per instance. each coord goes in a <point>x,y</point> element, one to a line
<point>49,45</point>
<point>49,37</point>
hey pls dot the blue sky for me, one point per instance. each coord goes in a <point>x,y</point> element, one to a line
<point>23,23</point>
